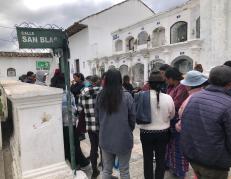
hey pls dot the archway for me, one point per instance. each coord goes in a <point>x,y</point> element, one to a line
<point>94,71</point>
<point>138,74</point>
<point>111,67</point>
<point>130,42</point>
<point>123,70</point>
<point>158,37</point>
<point>154,65</point>
<point>102,69</point>
<point>183,63</point>
<point>118,45</point>
<point>179,32</point>
<point>143,38</point>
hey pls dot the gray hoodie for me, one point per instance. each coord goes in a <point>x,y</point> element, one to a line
<point>40,78</point>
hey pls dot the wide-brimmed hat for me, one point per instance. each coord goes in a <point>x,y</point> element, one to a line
<point>155,77</point>
<point>194,78</point>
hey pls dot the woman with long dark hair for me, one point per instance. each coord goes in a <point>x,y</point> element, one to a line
<point>175,159</point>
<point>77,86</point>
<point>156,135</point>
<point>115,111</point>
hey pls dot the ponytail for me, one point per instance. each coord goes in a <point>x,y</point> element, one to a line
<point>157,87</point>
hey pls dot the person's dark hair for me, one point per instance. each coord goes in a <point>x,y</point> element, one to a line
<point>173,73</point>
<point>228,63</point>
<point>94,79</point>
<point>198,67</point>
<point>220,76</point>
<point>111,95</point>
<point>59,82</point>
<point>80,75</point>
<point>22,78</point>
<point>126,78</point>
<point>88,78</point>
<point>164,67</point>
<point>156,82</point>
<point>30,73</point>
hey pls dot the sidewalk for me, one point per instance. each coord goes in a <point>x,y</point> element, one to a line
<point>2,171</point>
<point>136,162</point>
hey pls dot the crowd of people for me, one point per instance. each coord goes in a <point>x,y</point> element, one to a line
<point>182,120</point>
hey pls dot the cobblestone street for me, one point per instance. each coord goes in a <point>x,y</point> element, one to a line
<point>136,162</point>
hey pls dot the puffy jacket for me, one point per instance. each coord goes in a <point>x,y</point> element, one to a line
<point>206,128</point>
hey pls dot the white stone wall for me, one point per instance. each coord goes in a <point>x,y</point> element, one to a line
<point>23,65</point>
<point>211,49</point>
<point>96,41</point>
<point>215,32</point>
<point>188,13</point>
<point>80,49</point>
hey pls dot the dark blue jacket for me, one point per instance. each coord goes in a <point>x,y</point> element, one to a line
<point>206,128</point>
<point>143,107</point>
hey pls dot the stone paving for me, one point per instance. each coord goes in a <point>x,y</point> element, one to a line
<point>136,162</point>
<point>2,171</point>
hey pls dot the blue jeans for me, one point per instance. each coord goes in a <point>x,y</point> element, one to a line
<point>108,163</point>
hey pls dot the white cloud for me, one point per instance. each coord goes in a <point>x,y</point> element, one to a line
<point>41,4</point>
<point>60,12</point>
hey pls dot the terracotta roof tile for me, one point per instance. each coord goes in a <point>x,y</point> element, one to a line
<point>25,54</point>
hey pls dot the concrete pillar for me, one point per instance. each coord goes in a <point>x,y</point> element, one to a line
<point>214,32</point>
<point>229,30</point>
<point>0,136</point>
<point>146,61</point>
<point>37,141</point>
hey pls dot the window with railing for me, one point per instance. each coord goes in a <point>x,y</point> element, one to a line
<point>143,38</point>
<point>158,37</point>
<point>179,32</point>
<point>118,45</point>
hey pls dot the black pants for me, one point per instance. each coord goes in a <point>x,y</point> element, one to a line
<point>94,140</point>
<point>154,141</point>
<point>81,160</point>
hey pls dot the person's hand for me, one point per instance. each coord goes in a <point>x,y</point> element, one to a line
<point>178,126</point>
<point>73,82</point>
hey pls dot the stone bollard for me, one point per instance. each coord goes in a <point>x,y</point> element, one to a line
<point>37,142</point>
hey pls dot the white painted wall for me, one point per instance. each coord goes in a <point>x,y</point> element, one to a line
<point>188,13</point>
<point>212,49</point>
<point>96,41</point>
<point>215,32</point>
<point>23,65</point>
<point>80,49</point>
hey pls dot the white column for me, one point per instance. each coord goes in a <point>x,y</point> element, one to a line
<point>37,142</point>
<point>0,136</point>
<point>214,32</point>
<point>146,61</point>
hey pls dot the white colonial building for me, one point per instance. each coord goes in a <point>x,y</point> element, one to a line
<point>16,64</point>
<point>133,39</point>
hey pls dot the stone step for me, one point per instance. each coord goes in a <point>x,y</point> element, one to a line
<point>2,168</point>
